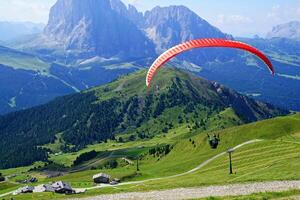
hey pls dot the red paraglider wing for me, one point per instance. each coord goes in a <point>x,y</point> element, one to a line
<point>201,43</point>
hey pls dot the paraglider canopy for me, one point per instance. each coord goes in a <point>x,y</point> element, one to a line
<point>201,43</point>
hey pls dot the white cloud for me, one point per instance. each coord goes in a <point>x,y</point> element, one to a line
<point>274,13</point>
<point>25,10</point>
<point>235,24</point>
<point>133,1</point>
<point>230,19</point>
<point>283,13</point>
<point>240,19</point>
<point>136,3</point>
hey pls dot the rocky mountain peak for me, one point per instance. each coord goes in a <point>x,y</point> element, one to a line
<point>168,26</point>
<point>99,27</point>
<point>289,30</point>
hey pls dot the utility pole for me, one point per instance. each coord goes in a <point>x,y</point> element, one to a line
<point>137,164</point>
<point>230,151</point>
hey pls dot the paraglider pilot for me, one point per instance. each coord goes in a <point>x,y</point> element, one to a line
<point>213,141</point>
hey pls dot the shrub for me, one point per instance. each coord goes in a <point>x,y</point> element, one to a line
<point>85,157</point>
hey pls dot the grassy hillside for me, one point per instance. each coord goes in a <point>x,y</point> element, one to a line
<point>20,60</point>
<point>124,107</point>
<point>28,79</point>
<point>276,157</point>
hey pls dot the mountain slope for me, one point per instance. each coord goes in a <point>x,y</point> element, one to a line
<point>22,60</point>
<point>289,30</point>
<point>25,81</point>
<point>22,89</point>
<point>28,79</point>
<point>283,89</point>
<point>125,106</point>
<point>85,40</point>
<point>254,162</point>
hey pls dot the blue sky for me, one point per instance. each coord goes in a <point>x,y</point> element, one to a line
<point>238,17</point>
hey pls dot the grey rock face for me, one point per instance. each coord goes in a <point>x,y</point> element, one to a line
<point>108,28</point>
<point>169,26</point>
<point>289,30</point>
<point>100,27</point>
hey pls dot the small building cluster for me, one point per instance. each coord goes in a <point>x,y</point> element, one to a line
<point>64,188</point>
<point>30,180</point>
<point>43,188</point>
<point>26,189</point>
<point>57,187</point>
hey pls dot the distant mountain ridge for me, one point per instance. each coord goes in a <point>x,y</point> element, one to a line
<point>14,30</point>
<point>108,28</point>
<point>91,42</point>
<point>290,30</point>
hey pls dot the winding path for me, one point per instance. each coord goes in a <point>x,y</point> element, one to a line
<point>200,192</point>
<point>153,179</point>
<point>5,194</point>
<point>176,175</point>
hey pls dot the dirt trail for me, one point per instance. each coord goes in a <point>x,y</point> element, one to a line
<point>203,192</point>
<point>177,175</point>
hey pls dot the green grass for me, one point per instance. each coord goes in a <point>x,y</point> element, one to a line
<point>277,157</point>
<point>19,170</point>
<point>35,196</point>
<point>226,118</point>
<point>255,162</point>
<point>7,187</point>
<point>19,60</point>
<point>56,146</point>
<point>230,137</point>
<point>285,58</point>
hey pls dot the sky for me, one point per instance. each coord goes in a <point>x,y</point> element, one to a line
<point>237,17</point>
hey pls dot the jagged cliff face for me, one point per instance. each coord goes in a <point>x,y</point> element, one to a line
<point>109,28</point>
<point>169,26</point>
<point>99,27</point>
